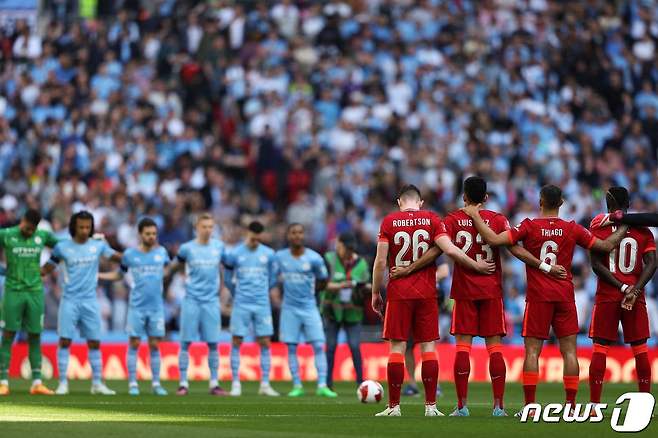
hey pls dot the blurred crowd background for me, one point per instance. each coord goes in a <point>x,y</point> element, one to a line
<point>317,111</point>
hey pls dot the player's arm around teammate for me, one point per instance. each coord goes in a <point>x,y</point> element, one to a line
<point>632,219</point>
<point>518,251</point>
<point>412,303</point>
<point>504,238</point>
<point>146,265</point>
<point>79,305</point>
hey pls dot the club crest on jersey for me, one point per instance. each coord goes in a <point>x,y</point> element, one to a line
<point>263,259</point>
<point>37,240</point>
<point>158,258</point>
<point>215,252</point>
<point>93,250</point>
<point>306,266</point>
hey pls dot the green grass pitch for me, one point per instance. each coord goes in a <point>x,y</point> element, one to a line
<point>199,415</point>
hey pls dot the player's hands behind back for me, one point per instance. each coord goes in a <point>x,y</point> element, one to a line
<point>629,298</point>
<point>558,271</point>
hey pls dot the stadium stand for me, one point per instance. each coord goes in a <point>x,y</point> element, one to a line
<point>316,111</point>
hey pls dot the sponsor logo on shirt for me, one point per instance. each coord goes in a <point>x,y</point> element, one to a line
<point>203,263</point>
<point>82,261</point>
<point>251,270</point>
<point>23,251</point>
<point>296,277</point>
<point>147,270</point>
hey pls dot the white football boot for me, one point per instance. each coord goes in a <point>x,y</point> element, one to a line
<point>62,388</point>
<point>236,389</point>
<point>390,412</point>
<point>432,411</point>
<point>266,389</point>
<point>101,389</point>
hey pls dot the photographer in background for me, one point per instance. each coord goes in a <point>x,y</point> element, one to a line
<point>342,301</point>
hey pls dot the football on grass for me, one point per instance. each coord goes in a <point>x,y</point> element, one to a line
<point>370,392</point>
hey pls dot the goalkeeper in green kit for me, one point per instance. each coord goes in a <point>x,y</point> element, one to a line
<point>23,304</point>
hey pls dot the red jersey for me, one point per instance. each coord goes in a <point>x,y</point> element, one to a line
<point>551,240</point>
<point>409,235</point>
<point>468,284</point>
<point>625,261</point>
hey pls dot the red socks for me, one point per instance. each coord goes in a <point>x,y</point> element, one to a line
<point>530,379</point>
<point>395,374</point>
<point>430,374</point>
<point>462,370</point>
<point>597,372</point>
<point>571,389</point>
<point>642,367</point>
<point>497,372</point>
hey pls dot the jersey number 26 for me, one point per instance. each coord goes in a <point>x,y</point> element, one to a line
<point>419,243</point>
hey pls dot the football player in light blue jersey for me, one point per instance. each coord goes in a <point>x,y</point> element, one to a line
<point>302,272</point>
<point>250,275</point>
<point>79,306</point>
<point>145,269</point>
<point>200,314</point>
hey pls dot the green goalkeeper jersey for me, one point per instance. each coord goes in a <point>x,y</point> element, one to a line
<point>23,256</point>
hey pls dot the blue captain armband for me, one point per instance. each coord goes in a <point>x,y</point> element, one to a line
<point>54,260</point>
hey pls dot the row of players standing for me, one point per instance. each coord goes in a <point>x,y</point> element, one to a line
<point>623,259</point>
<point>250,270</point>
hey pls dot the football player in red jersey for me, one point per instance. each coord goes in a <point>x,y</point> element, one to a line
<point>619,295</point>
<point>412,306</point>
<point>550,302</point>
<point>478,308</point>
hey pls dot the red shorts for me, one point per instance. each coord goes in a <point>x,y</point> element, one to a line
<point>420,318</point>
<point>541,315</point>
<point>478,318</point>
<point>607,316</point>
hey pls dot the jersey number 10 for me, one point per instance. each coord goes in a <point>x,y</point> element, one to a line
<point>627,244</point>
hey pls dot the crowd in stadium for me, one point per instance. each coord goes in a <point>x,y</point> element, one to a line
<point>317,111</point>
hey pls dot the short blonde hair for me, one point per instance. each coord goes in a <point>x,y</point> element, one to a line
<point>203,217</point>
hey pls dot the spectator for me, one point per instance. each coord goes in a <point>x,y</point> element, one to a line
<point>319,110</point>
<point>343,300</point>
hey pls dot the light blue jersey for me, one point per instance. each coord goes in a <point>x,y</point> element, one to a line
<point>250,274</point>
<point>202,268</point>
<point>79,306</point>
<point>298,275</point>
<point>145,271</point>
<point>80,276</point>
